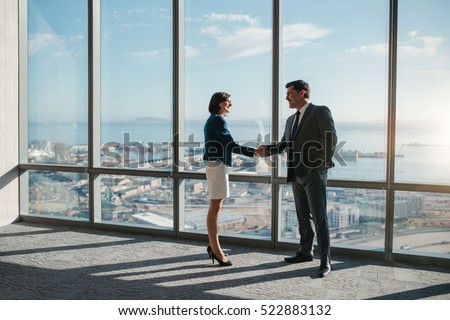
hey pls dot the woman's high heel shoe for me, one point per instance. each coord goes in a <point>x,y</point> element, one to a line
<point>221,263</point>
<point>209,250</point>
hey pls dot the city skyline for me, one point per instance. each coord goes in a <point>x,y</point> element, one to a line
<point>357,216</point>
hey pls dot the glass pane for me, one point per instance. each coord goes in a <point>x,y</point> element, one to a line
<point>423,98</point>
<point>136,83</point>
<point>228,48</point>
<point>246,213</point>
<point>422,223</point>
<point>137,201</point>
<point>340,49</point>
<point>356,217</point>
<point>58,195</point>
<point>57,81</point>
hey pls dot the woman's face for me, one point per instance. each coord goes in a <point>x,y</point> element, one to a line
<point>225,107</point>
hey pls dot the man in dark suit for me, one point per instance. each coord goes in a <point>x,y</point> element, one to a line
<point>309,139</point>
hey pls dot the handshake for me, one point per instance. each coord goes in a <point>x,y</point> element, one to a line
<point>262,151</point>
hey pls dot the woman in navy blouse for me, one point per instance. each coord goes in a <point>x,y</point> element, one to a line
<point>219,146</point>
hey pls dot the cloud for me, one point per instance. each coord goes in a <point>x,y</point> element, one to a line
<point>420,46</point>
<point>191,52</point>
<point>58,54</point>
<point>378,49</point>
<point>137,11</point>
<point>40,41</point>
<point>55,45</point>
<point>250,41</point>
<point>299,34</point>
<point>145,54</point>
<point>211,30</point>
<point>416,46</point>
<point>222,17</point>
<point>245,42</point>
<point>142,13</point>
<point>124,26</point>
<point>76,38</point>
<point>116,15</point>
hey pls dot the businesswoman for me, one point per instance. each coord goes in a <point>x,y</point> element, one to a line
<point>219,146</point>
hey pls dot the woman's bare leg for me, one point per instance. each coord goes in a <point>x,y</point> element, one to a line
<point>215,207</point>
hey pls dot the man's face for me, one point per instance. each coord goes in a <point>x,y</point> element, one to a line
<point>294,97</point>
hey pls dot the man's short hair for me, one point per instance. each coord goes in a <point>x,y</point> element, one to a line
<point>300,85</point>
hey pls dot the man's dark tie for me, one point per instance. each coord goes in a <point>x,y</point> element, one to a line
<point>295,126</point>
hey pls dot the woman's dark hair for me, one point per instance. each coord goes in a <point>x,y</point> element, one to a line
<point>300,85</point>
<point>216,99</point>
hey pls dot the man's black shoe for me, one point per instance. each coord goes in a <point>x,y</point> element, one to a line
<point>324,270</point>
<point>298,258</point>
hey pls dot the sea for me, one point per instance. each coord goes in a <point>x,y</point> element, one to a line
<point>422,155</point>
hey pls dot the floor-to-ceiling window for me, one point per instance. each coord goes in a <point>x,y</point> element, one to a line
<point>113,85</point>
<point>421,219</point>
<point>136,83</point>
<point>423,101</point>
<point>228,49</point>
<point>340,49</point>
<point>57,132</point>
<point>57,86</point>
<point>136,111</point>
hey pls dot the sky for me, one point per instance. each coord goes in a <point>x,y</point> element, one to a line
<point>339,47</point>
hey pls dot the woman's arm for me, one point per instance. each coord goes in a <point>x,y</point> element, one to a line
<point>227,140</point>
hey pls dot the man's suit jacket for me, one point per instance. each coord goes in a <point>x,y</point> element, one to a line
<point>312,146</point>
<point>219,144</point>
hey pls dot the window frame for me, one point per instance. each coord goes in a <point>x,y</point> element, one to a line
<point>94,171</point>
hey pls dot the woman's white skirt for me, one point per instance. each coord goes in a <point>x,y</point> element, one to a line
<point>217,177</point>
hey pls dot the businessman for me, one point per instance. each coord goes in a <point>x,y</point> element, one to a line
<point>309,140</point>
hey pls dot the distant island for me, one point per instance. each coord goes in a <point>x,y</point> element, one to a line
<point>418,144</point>
<point>148,120</point>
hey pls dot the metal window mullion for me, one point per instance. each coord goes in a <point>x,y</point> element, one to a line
<point>177,110</point>
<point>94,110</point>
<point>417,187</point>
<point>276,43</point>
<point>23,104</point>
<point>390,174</point>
